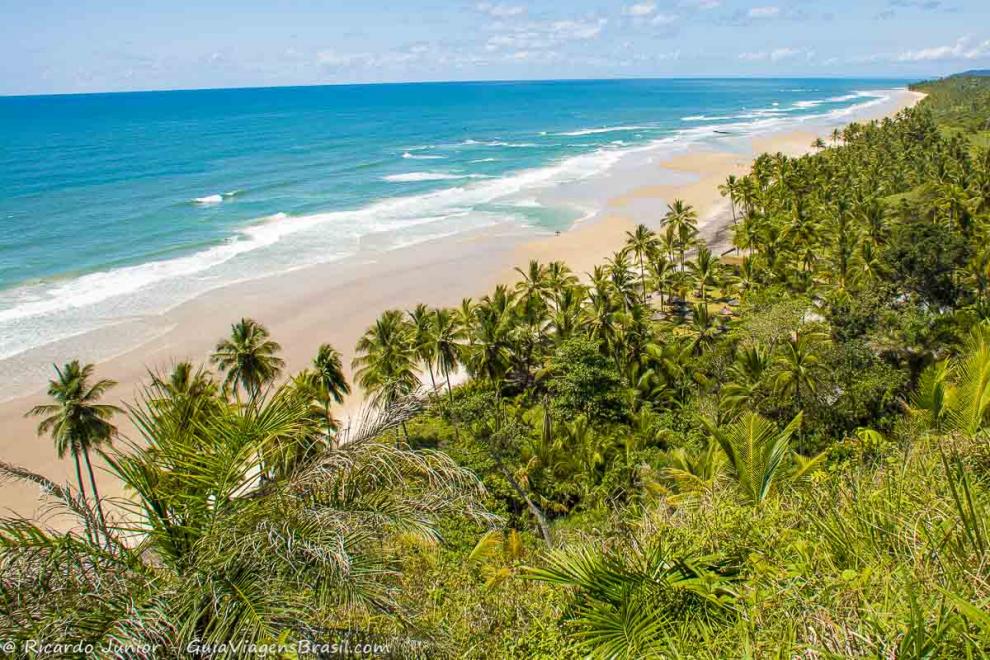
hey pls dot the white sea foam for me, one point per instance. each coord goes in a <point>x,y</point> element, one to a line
<point>605,129</point>
<point>410,177</point>
<point>847,97</point>
<point>527,204</point>
<point>208,200</point>
<point>754,114</point>
<point>498,143</point>
<point>411,156</point>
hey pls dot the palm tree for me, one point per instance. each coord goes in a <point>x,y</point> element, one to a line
<point>705,269</point>
<point>191,392</point>
<point>730,189</point>
<point>682,219</point>
<point>755,449</point>
<point>704,328</point>
<point>249,358</point>
<point>621,278</point>
<point>422,338</point>
<point>489,355</point>
<point>445,336</point>
<point>534,282</point>
<point>746,377</point>
<point>634,597</point>
<point>798,365</point>
<point>559,279</point>
<point>76,421</point>
<point>385,361</point>
<point>662,272</point>
<point>566,317</point>
<point>333,386</point>
<point>955,395</point>
<point>643,243</point>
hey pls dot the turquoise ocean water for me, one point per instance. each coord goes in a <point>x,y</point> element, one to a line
<point>113,205</point>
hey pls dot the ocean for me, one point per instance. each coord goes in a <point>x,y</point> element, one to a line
<point>117,205</point>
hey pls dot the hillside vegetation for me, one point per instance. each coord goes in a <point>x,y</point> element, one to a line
<point>783,452</point>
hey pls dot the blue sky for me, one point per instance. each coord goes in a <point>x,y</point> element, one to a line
<point>114,45</point>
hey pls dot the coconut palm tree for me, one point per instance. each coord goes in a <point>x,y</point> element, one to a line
<point>746,377</point>
<point>446,334</point>
<point>249,358</point>
<point>328,369</point>
<point>76,421</point>
<point>192,392</point>
<point>386,360</point>
<point>662,273</point>
<point>798,365</point>
<point>566,318</point>
<point>489,355</point>
<point>682,220</point>
<point>730,189</point>
<point>534,282</point>
<point>422,339</point>
<point>642,243</point>
<point>704,328</point>
<point>706,270</point>
<point>559,279</point>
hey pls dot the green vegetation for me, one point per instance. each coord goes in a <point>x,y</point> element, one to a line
<point>785,452</point>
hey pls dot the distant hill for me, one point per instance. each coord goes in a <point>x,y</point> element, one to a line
<point>973,73</point>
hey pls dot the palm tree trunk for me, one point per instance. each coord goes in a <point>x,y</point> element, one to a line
<point>541,520</point>
<point>642,275</point>
<point>331,436</point>
<point>96,493</point>
<point>433,381</point>
<point>450,392</point>
<point>82,489</point>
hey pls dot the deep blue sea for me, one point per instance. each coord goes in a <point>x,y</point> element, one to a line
<point>119,204</point>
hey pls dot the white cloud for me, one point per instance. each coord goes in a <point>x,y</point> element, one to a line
<point>776,55</point>
<point>640,9</point>
<point>497,10</point>
<point>703,5</point>
<point>534,36</point>
<point>645,13</point>
<point>769,11</point>
<point>332,59</point>
<point>577,30</point>
<point>963,49</point>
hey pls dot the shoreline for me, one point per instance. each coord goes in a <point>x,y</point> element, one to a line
<point>336,302</point>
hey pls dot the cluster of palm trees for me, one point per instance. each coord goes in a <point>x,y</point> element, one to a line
<point>823,221</point>
<point>247,516</point>
<point>505,337</point>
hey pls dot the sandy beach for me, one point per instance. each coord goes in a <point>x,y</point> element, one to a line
<point>335,302</point>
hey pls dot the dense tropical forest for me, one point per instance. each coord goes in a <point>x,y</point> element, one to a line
<point>783,450</point>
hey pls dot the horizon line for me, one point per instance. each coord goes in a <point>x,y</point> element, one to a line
<point>469,82</point>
